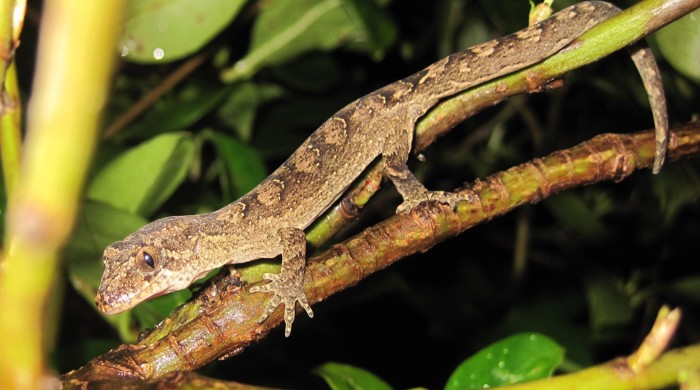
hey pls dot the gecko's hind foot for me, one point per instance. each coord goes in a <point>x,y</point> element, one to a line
<point>287,292</point>
<point>450,198</point>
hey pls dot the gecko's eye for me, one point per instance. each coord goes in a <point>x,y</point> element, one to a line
<point>148,260</point>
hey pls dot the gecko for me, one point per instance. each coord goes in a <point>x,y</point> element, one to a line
<point>171,253</point>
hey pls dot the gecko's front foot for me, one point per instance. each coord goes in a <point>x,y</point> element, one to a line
<point>288,289</point>
<point>450,198</point>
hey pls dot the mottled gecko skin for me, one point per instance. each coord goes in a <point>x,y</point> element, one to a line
<point>169,254</point>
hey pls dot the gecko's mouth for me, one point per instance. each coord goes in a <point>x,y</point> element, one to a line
<point>107,308</point>
<point>110,303</point>
<point>110,306</point>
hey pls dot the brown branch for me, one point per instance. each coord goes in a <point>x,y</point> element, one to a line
<point>175,380</point>
<point>222,320</point>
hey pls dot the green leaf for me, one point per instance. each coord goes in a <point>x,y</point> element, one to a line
<point>298,117</point>
<point>519,358</point>
<point>574,214</point>
<point>241,107</point>
<point>513,20</point>
<point>555,313</point>
<point>284,29</point>
<point>463,26</point>
<point>67,357</point>
<point>346,377</point>
<point>607,302</point>
<point>142,178</point>
<point>303,74</point>
<point>686,288</point>
<point>164,31</point>
<point>151,312</point>
<point>679,43</point>
<point>676,191</point>
<point>379,31</point>
<point>243,166</point>
<point>177,111</point>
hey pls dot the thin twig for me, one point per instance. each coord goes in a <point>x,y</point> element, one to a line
<point>168,83</point>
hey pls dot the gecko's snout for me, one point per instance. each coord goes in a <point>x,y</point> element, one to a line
<point>110,300</point>
<point>104,301</point>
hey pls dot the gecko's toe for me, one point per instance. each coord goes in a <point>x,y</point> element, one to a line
<point>305,304</point>
<point>289,314</point>
<point>269,308</point>
<point>270,276</point>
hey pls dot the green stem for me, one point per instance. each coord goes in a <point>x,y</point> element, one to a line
<point>6,41</point>
<point>667,371</point>
<point>70,87</point>
<point>11,134</point>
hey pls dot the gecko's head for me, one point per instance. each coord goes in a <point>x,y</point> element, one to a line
<point>148,263</point>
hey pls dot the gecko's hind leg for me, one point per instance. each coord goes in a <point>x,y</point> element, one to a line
<point>288,285</point>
